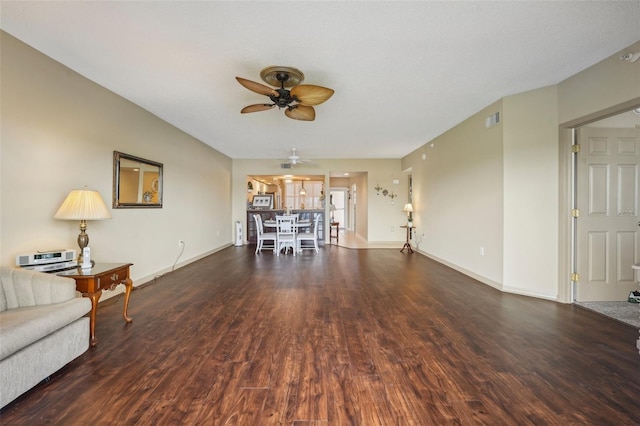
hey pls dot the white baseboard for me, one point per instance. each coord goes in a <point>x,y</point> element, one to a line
<point>140,281</point>
<point>487,281</point>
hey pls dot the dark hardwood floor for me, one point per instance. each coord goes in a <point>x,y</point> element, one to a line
<point>344,337</point>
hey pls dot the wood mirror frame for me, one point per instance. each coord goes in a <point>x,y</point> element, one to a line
<point>137,183</point>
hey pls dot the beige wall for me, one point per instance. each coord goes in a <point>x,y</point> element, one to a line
<point>608,83</point>
<point>519,214</point>
<point>458,195</point>
<point>59,131</point>
<point>530,137</point>
<point>342,182</point>
<point>376,215</point>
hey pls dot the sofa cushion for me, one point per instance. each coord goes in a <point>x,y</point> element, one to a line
<point>22,287</point>
<point>22,326</point>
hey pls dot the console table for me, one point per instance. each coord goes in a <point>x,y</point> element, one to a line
<point>407,244</point>
<point>102,276</point>
<point>335,225</point>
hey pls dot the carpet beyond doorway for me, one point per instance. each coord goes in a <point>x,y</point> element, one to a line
<point>622,311</point>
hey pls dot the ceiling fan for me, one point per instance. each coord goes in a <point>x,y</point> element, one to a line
<point>298,101</point>
<point>294,159</point>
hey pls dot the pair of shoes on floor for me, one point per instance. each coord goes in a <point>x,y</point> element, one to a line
<point>634,296</point>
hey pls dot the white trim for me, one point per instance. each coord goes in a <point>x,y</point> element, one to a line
<point>484,280</point>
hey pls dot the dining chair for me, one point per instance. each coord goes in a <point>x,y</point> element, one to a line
<point>264,236</point>
<point>285,234</point>
<point>312,235</point>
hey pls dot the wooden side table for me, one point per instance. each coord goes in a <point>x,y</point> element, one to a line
<point>102,276</point>
<point>407,244</point>
<point>335,225</point>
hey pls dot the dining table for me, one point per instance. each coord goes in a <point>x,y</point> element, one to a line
<point>270,223</point>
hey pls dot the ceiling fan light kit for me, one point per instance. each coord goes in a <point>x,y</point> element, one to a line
<point>299,101</point>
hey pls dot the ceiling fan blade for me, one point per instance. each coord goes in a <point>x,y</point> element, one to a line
<point>301,112</point>
<point>256,108</point>
<point>310,95</point>
<point>257,87</point>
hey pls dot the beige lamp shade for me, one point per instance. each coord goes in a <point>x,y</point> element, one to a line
<point>83,204</point>
<point>408,208</point>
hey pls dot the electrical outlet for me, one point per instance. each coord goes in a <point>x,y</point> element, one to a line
<point>180,244</point>
<point>393,229</point>
<point>481,251</point>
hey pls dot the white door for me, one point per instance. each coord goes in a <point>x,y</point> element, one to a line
<point>607,230</point>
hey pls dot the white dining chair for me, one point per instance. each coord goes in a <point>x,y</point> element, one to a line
<point>285,234</point>
<point>312,235</point>
<point>264,236</point>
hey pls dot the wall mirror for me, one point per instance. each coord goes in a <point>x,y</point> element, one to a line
<point>137,183</point>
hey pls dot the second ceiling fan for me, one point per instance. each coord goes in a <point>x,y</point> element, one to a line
<point>298,101</point>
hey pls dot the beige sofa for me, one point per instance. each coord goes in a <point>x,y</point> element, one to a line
<point>42,328</point>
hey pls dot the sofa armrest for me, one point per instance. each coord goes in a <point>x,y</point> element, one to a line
<point>22,287</point>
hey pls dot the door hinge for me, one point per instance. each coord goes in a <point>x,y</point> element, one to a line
<point>575,277</point>
<point>575,148</point>
<point>575,212</point>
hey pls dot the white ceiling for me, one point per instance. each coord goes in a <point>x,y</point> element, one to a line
<point>403,72</point>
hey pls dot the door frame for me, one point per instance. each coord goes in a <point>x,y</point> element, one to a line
<point>567,259</point>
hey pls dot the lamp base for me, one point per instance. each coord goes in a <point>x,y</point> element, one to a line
<point>83,240</point>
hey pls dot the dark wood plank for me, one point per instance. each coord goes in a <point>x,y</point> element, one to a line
<point>344,337</point>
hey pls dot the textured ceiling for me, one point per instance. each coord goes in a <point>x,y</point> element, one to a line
<point>403,72</point>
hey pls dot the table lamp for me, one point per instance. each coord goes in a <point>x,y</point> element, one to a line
<point>83,204</point>
<point>409,209</point>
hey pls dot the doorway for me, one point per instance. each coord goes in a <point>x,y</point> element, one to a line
<point>606,176</point>
<point>339,198</point>
<point>607,234</point>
